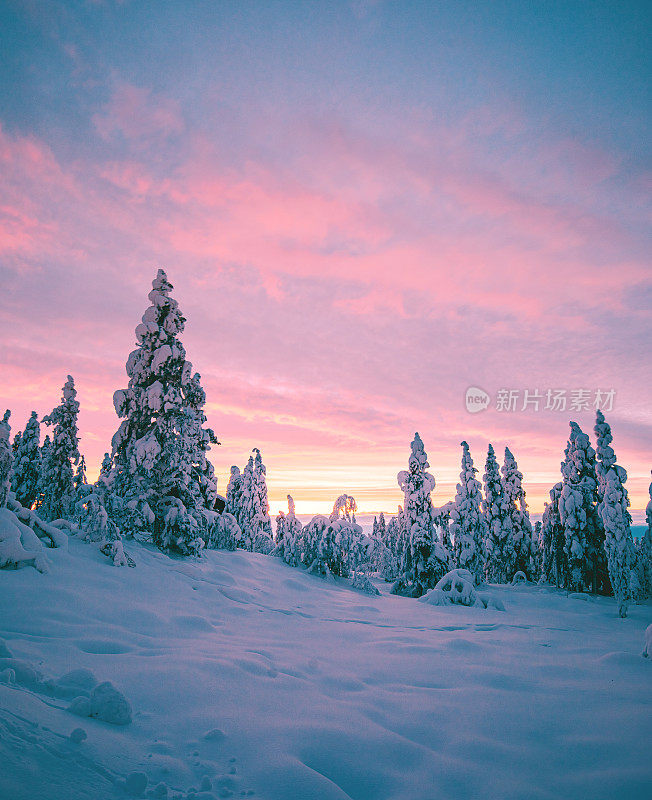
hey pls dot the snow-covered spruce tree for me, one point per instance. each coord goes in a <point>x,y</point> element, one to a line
<point>425,560</point>
<point>389,569</point>
<point>467,520</point>
<point>159,451</point>
<point>500,558</point>
<point>106,469</point>
<point>537,556</point>
<point>376,544</point>
<point>57,477</point>
<point>6,458</point>
<point>16,444</point>
<point>79,478</point>
<point>44,455</point>
<point>255,520</point>
<point>554,566</point>
<point>644,554</point>
<point>289,536</point>
<point>246,504</point>
<point>382,527</point>
<point>517,516</point>
<point>583,532</point>
<point>613,503</point>
<point>234,494</point>
<point>27,456</point>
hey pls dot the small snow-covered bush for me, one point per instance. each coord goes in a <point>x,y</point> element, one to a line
<point>363,584</point>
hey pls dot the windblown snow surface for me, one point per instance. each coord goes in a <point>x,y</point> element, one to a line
<point>248,678</point>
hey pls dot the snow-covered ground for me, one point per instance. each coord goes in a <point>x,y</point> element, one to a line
<point>247,677</point>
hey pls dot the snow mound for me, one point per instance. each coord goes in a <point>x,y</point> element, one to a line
<point>456,588</point>
<point>105,703</point>
<point>19,545</point>
<point>519,577</point>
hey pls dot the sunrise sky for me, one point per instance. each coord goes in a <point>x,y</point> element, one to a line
<point>364,207</point>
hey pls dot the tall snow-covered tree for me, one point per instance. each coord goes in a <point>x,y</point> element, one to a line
<point>500,559</point>
<point>255,520</point>
<point>57,476</point>
<point>583,532</point>
<point>41,486</point>
<point>106,468</point>
<point>159,450</point>
<point>467,520</point>
<point>234,494</point>
<point>644,554</point>
<point>613,504</point>
<point>426,560</point>
<point>392,554</point>
<point>6,457</point>
<point>382,527</point>
<point>554,563</point>
<point>537,557</point>
<point>26,467</point>
<point>517,516</point>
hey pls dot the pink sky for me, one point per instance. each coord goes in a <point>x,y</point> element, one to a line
<point>345,277</point>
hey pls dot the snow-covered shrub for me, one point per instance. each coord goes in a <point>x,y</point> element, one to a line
<point>616,519</point>
<point>331,546</point>
<point>26,466</point>
<point>180,530</point>
<point>425,559</point>
<point>96,526</point>
<point>467,520</point>
<point>57,477</point>
<point>500,558</point>
<point>225,533</point>
<point>362,583</point>
<point>159,451</point>
<point>289,538</point>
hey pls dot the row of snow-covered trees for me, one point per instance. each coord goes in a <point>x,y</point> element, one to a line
<point>586,536</point>
<point>489,534</point>
<point>157,483</point>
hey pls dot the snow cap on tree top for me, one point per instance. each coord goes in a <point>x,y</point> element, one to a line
<point>161,282</point>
